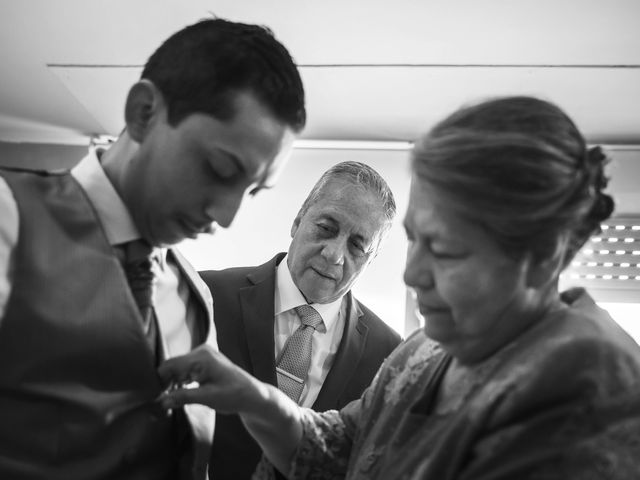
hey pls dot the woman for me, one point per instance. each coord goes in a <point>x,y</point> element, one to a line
<point>509,378</point>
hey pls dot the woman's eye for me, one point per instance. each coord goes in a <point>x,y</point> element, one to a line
<point>445,254</point>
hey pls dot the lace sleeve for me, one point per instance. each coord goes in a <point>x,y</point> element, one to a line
<point>325,448</point>
<point>323,453</point>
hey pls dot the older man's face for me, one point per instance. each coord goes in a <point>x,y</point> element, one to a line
<point>334,241</point>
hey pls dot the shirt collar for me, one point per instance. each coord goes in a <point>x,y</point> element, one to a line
<point>287,297</point>
<point>110,209</point>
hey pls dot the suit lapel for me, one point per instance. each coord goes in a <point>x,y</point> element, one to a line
<point>201,419</point>
<point>201,293</point>
<point>256,302</point>
<point>347,358</point>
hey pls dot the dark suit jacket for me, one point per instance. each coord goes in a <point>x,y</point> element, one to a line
<point>244,317</point>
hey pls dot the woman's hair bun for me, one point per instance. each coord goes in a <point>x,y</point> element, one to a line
<point>595,163</point>
<point>603,204</point>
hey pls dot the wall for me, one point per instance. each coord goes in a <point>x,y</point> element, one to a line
<point>39,155</point>
<point>624,172</point>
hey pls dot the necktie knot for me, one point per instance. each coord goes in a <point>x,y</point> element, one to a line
<point>137,266</point>
<point>309,316</point>
<point>137,251</point>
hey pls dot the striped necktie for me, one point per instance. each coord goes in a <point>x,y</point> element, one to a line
<point>137,266</point>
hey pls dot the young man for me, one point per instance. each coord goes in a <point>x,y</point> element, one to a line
<point>211,118</point>
<point>335,235</point>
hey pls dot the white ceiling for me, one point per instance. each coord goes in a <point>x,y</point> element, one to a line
<point>373,69</point>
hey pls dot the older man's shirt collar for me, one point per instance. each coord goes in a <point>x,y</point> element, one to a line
<point>287,297</point>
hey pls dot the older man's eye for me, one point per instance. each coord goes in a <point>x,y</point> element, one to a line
<point>358,249</point>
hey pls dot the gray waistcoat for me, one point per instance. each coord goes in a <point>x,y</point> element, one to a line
<point>77,379</point>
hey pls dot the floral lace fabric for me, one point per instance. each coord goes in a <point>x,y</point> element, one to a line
<point>561,402</point>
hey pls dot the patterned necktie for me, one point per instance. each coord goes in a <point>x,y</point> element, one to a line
<point>293,367</point>
<point>137,266</point>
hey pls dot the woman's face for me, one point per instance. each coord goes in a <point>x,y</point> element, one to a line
<point>474,298</point>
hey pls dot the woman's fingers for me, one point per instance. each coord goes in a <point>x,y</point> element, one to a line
<point>192,367</point>
<point>207,377</point>
<point>182,396</point>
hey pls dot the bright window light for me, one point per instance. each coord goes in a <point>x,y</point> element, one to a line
<point>627,315</point>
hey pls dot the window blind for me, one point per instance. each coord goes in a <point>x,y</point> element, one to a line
<point>608,265</point>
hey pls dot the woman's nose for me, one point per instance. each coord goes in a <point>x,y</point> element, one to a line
<point>417,271</point>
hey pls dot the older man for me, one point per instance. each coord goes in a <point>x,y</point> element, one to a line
<point>293,321</point>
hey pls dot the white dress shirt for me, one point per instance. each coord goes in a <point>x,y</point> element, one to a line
<point>325,341</point>
<point>175,314</point>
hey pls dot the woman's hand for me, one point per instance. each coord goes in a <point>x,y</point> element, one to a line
<point>207,377</point>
